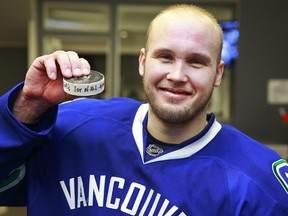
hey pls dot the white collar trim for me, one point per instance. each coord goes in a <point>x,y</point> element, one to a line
<point>187,151</point>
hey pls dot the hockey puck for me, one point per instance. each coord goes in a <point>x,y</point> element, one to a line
<point>92,84</point>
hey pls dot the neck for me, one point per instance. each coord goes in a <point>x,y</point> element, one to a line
<point>175,133</point>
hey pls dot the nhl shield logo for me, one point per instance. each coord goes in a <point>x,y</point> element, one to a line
<point>154,150</point>
<point>280,170</point>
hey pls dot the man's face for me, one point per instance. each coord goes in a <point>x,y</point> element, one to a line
<point>180,69</point>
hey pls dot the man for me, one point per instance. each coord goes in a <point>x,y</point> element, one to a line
<point>122,157</point>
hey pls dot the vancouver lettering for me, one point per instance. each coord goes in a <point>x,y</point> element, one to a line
<point>110,193</point>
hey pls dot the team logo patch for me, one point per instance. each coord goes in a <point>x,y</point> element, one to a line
<point>154,150</point>
<point>280,170</point>
<point>14,178</point>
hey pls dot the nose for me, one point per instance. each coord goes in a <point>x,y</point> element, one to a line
<point>177,73</point>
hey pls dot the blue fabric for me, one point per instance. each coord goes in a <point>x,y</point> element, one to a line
<point>86,162</point>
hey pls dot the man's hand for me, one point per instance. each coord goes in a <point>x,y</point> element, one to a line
<point>43,85</point>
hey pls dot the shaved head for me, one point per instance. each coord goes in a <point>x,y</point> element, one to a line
<point>188,13</point>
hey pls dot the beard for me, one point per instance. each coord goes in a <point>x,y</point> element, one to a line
<point>174,113</point>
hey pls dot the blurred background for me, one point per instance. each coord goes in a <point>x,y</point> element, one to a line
<point>109,34</point>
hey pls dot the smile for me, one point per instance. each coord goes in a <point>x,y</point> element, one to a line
<point>175,91</point>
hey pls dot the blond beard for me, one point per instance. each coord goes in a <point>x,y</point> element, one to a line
<point>177,115</point>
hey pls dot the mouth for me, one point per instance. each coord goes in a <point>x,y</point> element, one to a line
<point>175,91</point>
<point>175,94</point>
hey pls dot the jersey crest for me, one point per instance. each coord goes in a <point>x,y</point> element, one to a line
<point>280,170</point>
<point>13,179</point>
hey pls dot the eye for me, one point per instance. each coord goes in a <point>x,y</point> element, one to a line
<point>166,58</point>
<point>196,62</point>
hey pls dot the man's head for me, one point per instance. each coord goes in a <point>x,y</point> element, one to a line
<point>181,63</point>
<point>188,12</point>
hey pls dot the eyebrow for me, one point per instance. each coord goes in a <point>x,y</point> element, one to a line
<point>161,50</point>
<point>203,57</point>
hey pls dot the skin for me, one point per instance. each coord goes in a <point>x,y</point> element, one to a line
<point>43,86</point>
<point>180,69</point>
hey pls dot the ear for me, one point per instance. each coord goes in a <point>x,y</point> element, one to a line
<point>219,74</point>
<point>142,59</point>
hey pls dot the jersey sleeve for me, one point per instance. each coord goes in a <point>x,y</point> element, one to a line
<point>249,196</point>
<point>17,141</point>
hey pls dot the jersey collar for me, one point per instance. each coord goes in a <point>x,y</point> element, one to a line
<point>184,152</point>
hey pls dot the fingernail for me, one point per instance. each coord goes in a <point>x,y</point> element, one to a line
<point>53,75</point>
<point>85,71</point>
<point>68,72</point>
<point>77,71</point>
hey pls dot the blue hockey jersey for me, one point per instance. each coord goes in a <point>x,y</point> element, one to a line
<point>86,157</point>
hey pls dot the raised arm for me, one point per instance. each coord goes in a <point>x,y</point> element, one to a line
<point>28,114</point>
<point>43,86</point>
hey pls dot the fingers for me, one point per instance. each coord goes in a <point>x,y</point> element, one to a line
<point>66,63</point>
